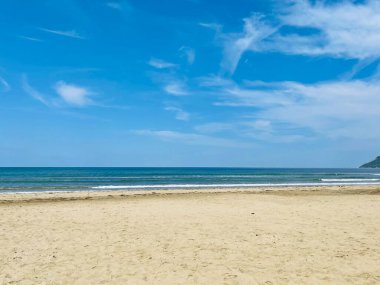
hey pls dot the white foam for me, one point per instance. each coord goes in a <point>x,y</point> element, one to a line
<point>171,186</point>
<point>349,179</point>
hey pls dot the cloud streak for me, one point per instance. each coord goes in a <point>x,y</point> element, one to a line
<point>30,39</point>
<point>176,89</point>
<point>33,92</point>
<point>191,138</point>
<point>71,34</point>
<point>4,85</point>
<point>161,64</point>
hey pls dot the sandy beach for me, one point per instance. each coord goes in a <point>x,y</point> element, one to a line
<point>320,235</point>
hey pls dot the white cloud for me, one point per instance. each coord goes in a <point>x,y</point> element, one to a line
<point>340,109</point>
<point>191,138</point>
<point>73,94</point>
<point>346,29</point>
<point>188,53</point>
<point>342,30</point>
<point>179,113</point>
<point>4,85</point>
<point>70,34</point>
<point>161,64</point>
<point>176,88</point>
<point>69,94</point>
<point>33,92</point>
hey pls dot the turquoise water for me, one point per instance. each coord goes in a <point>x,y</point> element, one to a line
<point>93,179</point>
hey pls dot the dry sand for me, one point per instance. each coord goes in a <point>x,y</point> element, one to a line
<point>288,236</point>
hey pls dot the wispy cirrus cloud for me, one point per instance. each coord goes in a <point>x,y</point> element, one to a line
<point>215,127</point>
<point>255,31</point>
<point>71,34</point>
<point>161,64</point>
<point>73,94</point>
<point>123,6</point>
<point>213,26</point>
<point>191,138</point>
<point>211,81</point>
<point>341,29</point>
<point>188,53</point>
<point>30,39</point>
<point>170,82</point>
<point>253,129</point>
<point>4,85</point>
<point>335,109</point>
<point>180,114</point>
<point>176,88</point>
<point>33,92</point>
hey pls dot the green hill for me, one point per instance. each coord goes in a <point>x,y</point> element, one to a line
<point>373,164</point>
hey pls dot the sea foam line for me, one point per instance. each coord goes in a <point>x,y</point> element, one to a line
<point>170,186</point>
<point>189,186</point>
<point>349,179</point>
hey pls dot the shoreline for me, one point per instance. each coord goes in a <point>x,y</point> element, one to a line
<point>368,189</point>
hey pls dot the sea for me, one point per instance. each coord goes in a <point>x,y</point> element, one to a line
<point>67,179</point>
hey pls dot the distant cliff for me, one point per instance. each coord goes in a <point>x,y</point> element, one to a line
<point>373,164</point>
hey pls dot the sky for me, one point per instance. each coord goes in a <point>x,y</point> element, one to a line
<point>243,83</point>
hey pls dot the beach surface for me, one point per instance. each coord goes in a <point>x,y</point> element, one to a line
<point>304,235</point>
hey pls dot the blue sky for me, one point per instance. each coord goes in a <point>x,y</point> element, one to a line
<point>250,83</point>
